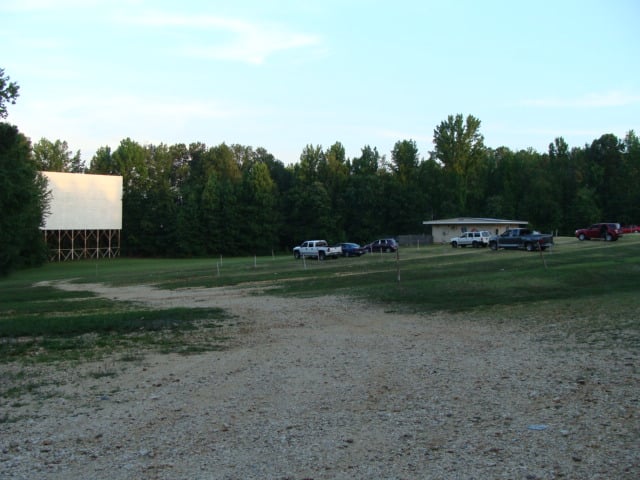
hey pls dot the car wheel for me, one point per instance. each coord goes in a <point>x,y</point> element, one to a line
<point>493,246</point>
<point>454,244</point>
<point>321,255</point>
<point>387,250</point>
<point>581,237</point>
<point>608,237</point>
<point>474,244</point>
<point>296,255</point>
<point>528,247</point>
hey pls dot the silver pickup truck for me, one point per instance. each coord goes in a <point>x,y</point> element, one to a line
<point>319,249</point>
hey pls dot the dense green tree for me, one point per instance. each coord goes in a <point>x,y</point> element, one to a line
<point>9,92</point>
<point>192,237</point>
<point>585,208</point>
<point>308,213</point>
<point>23,192</point>
<point>367,163</point>
<point>56,157</point>
<point>225,235</point>
<point>364,197</point>
<point>180,164</point>
<point>260,215</point>
<point>604,158</point>
<point>630,191</point>
<point>565,180</point>
<point>102,163</point>
<point>333,173</point>
<point>131,160</point>
<point>23,202</point>
<point>404,207</point>
<point>459,146</point>
<point>215,235</point>
<point>226,163</point>
<point>434,194</point>
<point>158,222</point>
<point>310,160</point>
<point>541,199</point>
<point>405,161</point>
<point>308,203</point>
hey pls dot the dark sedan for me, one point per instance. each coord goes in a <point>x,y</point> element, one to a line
<point>352,250</point>
<point>386,245</point>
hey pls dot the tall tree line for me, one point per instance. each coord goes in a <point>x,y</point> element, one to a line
<point>194,200</point>
<point>197,200</point>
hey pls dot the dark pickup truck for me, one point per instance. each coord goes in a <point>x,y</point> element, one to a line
<point>521,238</point>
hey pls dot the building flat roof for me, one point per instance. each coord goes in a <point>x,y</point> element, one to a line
<point>474,221</point>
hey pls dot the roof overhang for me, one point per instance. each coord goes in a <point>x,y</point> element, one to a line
<point>475,221</point>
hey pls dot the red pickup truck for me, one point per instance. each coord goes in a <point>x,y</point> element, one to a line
<point>604,231</point>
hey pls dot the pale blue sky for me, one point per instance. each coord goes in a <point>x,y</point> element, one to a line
<point>285,74</point>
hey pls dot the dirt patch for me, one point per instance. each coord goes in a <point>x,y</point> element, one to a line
<point>330,388</point>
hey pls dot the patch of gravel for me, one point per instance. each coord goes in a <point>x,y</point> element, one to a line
<point>331,388</point>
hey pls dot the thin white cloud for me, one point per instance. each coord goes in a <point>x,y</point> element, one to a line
<point>591,100</point>
<point>42,5</point>
<point>88,121</point>
<point>248,42</point>
<point>110,108</point>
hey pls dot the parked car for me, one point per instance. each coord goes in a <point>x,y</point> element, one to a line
<point>386,245</point>
<point>521,238</point>
<point>319,249</point>
<point>630,229</point>
<point>352,249</point>
<point>604,231</point>
<point>475,239</point>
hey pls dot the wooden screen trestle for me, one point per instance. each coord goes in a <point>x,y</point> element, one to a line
<point>67,245</point>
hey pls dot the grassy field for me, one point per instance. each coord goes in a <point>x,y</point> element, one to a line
<point>589,290</point>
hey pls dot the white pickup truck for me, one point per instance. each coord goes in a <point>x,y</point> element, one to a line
<point>319,249</point>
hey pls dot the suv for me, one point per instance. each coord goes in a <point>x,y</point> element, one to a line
<point>383,245</point>
<point>605,231</point>
<point>475,239</point>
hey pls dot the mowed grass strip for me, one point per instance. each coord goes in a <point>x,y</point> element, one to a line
<point>43,324</point>
<point>123,321</point>
<point>584,287</point>
<point>51,338</point>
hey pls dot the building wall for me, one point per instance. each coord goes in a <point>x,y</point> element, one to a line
<point>444,233</point>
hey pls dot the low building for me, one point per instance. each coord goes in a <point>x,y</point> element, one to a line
<point>444,230</point>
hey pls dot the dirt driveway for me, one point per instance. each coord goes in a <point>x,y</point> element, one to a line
<point>330,388</point>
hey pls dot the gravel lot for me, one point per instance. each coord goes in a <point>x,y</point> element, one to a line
<point>329,388</point>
